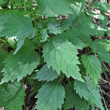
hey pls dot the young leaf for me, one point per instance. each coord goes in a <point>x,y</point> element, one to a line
<point>21,64</point>
<point>73,99</point>
<point>87,90</point>
<point>16,25</point>
<point>93,67</point>
<point>12,96</point>
<point>44,35</point>
<point>51,96</point>
<point>62,56</point>
<point>48,8</point>
<point>46,74</point>
<point>55,27</point>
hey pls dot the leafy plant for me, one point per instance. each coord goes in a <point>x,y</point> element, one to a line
<point>55,47</point>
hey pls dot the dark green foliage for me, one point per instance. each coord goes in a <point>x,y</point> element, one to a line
<point>55,47</point>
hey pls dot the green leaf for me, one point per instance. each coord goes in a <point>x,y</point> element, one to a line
<point>86,39</point>
<point>103,6</point>
<point>103,19</point>
<point>2,58</point>
<point>51,96</point>
<point>104,55</point>
<point>101,47</point>
<point>45,74</point>
<point>21,64</point>
<point>62,56</point>
<point>12,96</point>
<point>44,35</point>
<point>93,67</point>
<point>17,26</point>
<point>88,28</point>
<point>73,99</point>
<point>2,2</point>
<point>71,36</point>
<point>55,27</point>
<point>87,91</point>
<point>48,8</point>
<point>102,44</point>
<point>77,6</point>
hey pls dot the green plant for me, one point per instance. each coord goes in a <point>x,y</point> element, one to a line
<point>54,46</point>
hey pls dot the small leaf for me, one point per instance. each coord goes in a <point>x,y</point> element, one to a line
<point>101,47</point>
<point>46,74</point>
<point>93,67</point>
<point>12,96</point>
<point>87,91</point>
<point>54,27</point>
<point>103,19</point>
<point>73,99</point>
<point>44,35</point>
<point>51,96</point>
<point>102,44</point>
<point>104,55</point>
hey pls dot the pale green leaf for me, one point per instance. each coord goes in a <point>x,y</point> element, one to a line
<point>62,56</point>
<point>93,67</point>
<point>46,74</point>
<point>55,27</point>
<point>54,8</point>
<point>73,99</point>
<point>51,96</point>
<point>12,96</point>
<point>87,91</point>
<point>44,35</point>
<point>21,64</point>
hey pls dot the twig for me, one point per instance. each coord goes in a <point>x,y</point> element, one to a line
<point>103,99</point>
<point>105,81</point>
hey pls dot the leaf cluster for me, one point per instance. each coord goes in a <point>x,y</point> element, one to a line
<point>54,46</point>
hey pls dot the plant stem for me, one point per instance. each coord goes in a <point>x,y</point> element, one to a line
<point>11,2</point>
<point>33,13</point>
<point>24,5</point>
